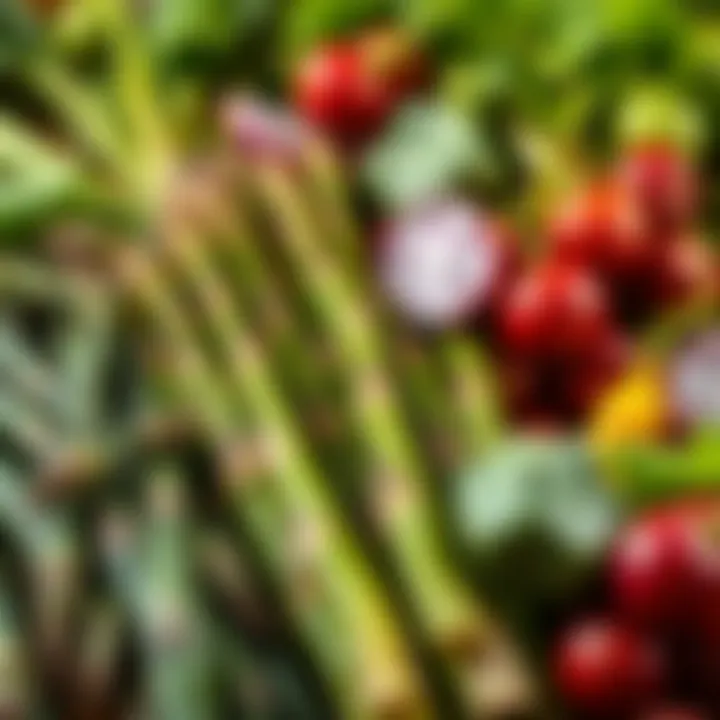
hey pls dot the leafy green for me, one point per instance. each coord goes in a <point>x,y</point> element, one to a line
<point>429,150</point>
<point>306,23</point>
<point>19,35</point>
<point>535,518</point>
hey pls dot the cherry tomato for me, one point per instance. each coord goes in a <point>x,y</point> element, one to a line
<point>350,89</point>
<point>604,230</point>
<point>603,670</point>
<point>665,571</point>
<point>336,91</point>
<point>555,312</point>
<point>664,182</point>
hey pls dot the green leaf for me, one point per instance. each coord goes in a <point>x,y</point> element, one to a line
<point>307,23</point>
<point>429,150</point>
<point>19,35</point>
<point>535,517</point>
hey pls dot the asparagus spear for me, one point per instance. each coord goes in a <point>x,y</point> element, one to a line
<point>445,379</point>
<point>452,620</point>
<point>248,263</point>
<point>330,591</point>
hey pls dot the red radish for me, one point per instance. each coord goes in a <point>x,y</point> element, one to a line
<point>663,181</point>
<point>555,312</point>
<point>262,130</point>
<point>604,230</point>
<point>688,269</point>
<point>673,712</point>
<point>338,92</point>
<point>444,263</point>
<point>694,379</point>
<point>604,671</point>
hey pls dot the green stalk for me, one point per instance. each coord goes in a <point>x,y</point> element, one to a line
<point>331,593</point>
<point>138,95</point>
<point>28,428</point>
<point>84,466</point>
<point>471,388</point>
<point>174,630</point>
<point>20,279</point>
<point>30,376</point>
<point>85,117</point>
<point>48,546</point>
<point>83,355</point>
<point>16,689</point>
<point>455,421</point>
<point>406,519</point>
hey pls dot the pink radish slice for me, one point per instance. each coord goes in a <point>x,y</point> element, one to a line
<point>263,130</point>
<point>439,264</point>
<point>695,379</point>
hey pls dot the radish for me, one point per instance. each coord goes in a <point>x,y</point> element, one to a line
<point>445,263</point>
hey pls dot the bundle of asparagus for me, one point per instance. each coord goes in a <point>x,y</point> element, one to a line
<point>243,284</point>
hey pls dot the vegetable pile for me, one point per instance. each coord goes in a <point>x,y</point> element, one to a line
<point>359,359</point>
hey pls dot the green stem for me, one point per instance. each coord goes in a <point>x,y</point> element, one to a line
<point>332,594</point>
<point>406,519</point>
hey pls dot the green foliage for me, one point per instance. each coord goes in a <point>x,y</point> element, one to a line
<point>19,35</point>
<point>535,518</point>
<point>429,150</point>
<point>305,23</point>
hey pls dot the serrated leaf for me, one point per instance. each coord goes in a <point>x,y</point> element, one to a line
<point>429,150</point>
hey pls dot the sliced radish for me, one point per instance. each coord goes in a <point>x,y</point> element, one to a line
<point>695,379</point>
<point>440,264</point>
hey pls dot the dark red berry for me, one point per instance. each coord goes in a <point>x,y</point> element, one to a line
<point>337,92</point>
<point>665,571</point>
<point>350,89</point>
<point>603,229</point>
<point>555,312</point>
<point>604,671</point>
